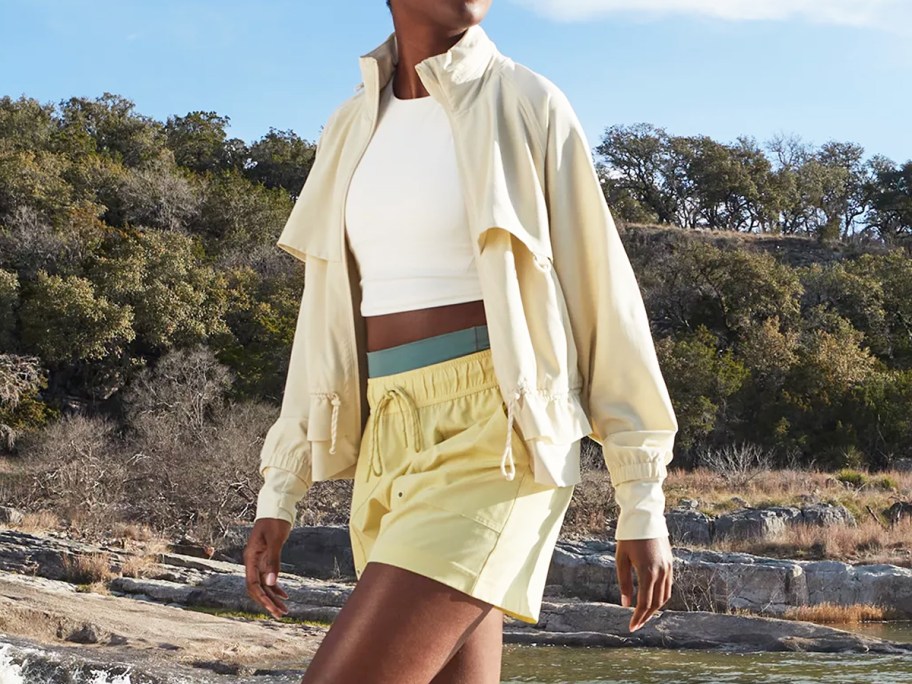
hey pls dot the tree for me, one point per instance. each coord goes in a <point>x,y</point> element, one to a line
<point>640,154</point>
<point>65,320</point>
<point>175,298</point>
<point>281,159</point>
<point>199,142</point>
<point>891,199</point>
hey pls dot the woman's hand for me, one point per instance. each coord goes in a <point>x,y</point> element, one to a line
<point>261,563</point>
<point>653,562</point>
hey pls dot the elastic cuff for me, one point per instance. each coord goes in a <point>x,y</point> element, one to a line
<point>280,494</point>
<point>270,505</point>
<point>642,504</point>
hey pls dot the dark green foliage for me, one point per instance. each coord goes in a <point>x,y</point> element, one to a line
<point>119,236</point>
<point>139,277</point>
<point>830,193</point>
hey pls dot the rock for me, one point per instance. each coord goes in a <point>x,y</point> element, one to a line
<point>10,515</point>
<point>715,581</point>
<point>707,585</point>
<point>583,623</point>
<point>689,527</point>
<point>322,551</point>
<point>903,465</point>
<point>52,613</point>
<point>845,584</point>
<point>757,523</point>
<point>192,547</point>
<point>160,591</point>
<point>898,511</point>
<point>754,523</point>
<point>823,514</point>
<point>585,569</point>
<point>43,554</point>
<point>765,523</point>
<point>86,635</point>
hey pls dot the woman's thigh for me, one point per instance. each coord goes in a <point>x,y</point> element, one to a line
<point>399,627</point>
<point>480,659</point>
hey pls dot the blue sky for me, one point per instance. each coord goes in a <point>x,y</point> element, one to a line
<point>819,69</point>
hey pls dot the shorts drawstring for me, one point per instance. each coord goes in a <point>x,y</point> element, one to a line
<point>399,394</point>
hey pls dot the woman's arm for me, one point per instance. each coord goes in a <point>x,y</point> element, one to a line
<point>629,405</point>
<point>285,460</point>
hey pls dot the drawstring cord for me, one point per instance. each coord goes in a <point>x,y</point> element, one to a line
<point>515,397</point>
<point>399,394</point>
<point>335,417</point>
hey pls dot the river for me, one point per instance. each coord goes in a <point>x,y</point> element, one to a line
<point>24,663</point>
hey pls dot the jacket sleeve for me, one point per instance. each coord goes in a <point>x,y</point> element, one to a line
<point>629,405</point>
<point>285,460</point>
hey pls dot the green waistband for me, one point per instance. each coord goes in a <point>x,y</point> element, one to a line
<point>426,351</point>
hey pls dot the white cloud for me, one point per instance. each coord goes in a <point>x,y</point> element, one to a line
<point>894,15</point>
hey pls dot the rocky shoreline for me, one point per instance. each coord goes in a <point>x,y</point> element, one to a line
<point>147,615</point>
<point>711,581</point>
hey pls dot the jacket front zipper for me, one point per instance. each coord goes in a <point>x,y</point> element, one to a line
<point>353,336</point>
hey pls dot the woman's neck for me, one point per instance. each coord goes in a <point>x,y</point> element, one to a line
<point>416,42</point>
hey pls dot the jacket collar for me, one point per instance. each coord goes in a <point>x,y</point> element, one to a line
<point>448,75</point>
<point>453,77</point>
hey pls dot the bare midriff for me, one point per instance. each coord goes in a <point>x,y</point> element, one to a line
<point>390,330</point>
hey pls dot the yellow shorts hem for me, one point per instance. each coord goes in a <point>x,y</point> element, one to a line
<point>446,572</point>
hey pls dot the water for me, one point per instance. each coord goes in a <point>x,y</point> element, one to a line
<point>559,664</point>
<point>22,662</point>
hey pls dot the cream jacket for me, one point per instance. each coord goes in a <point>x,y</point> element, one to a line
<point>570,340</point>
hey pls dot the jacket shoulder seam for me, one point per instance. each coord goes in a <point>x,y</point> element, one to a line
<point>524,104</point>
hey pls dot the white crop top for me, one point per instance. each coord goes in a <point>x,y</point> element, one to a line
<point>405,214</point>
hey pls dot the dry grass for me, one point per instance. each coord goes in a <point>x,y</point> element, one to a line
<point>591,507</point>
<point>867,542</point>
<point>138,566</point>
<point>785,487</point>
<point>872,540</point>
<point>133,531</point>
<point>99,587</point>
<point>87,568</point>
<point>156,546</point>
<point>39,521</point>
<point>825,613</point>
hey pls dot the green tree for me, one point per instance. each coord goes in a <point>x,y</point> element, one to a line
<point>175,297</point>
<point>281,159</point>
<point>109,126</point>
<point>200,143</point>
<point>66,320</point>
<point>641,156</point>
<point>701,378</point>
<point>9,300</point>
<point>237,215</point>
<point>891,199</point>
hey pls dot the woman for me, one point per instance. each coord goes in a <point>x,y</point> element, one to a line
<point>469,315</point>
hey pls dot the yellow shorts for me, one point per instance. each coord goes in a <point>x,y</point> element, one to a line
<point>429,494</point>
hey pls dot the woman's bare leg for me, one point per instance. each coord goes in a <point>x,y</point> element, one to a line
<point>479,660</point>
<point>397,627</point>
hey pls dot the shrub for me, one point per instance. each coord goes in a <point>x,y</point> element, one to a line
<point>851,477</point>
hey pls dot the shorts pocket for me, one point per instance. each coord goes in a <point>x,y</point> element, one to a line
<point>485,497</point>
<point>462,475</point>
